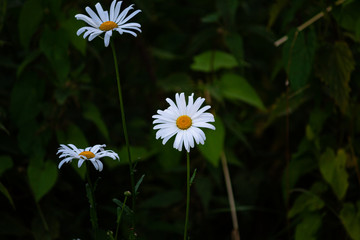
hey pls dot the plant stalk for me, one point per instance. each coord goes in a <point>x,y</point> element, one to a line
<point>235,233</point>
<point>90,193</point>
<point>119,218</point>
<point>187,194</point>
<point>125,131</point>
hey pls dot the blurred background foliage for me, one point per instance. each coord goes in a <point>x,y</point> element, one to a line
<point>287,118</point>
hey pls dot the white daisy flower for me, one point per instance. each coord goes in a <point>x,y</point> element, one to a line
<point>93,154</point>
<point>184,121</point>
<point>103,22</point>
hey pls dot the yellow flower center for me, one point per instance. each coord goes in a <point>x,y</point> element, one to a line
<point>183,122</point>
<point>87,154</point>
<point>109,25</point>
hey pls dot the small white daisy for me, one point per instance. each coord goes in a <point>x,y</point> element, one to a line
<point>184,121</point>
<point>103,22</point>
<point>93,154</point>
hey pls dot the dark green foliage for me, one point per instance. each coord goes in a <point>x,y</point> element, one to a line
<point>287,119</point>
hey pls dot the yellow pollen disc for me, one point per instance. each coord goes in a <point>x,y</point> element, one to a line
<point>109,25</point>
<point>183,122</point>
<point>87,154</point>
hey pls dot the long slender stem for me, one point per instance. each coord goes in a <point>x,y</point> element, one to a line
<point>119,218</point>
<point>187,194</point>
<point>44,222</point>
<point>90,193</point>
<point>125,131</point>
<point>235,233</point>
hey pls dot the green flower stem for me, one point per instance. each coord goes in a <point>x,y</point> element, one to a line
<point>125,130</point>
<point>90,194</point>
<point>187,194</point>
<point>119,218</point>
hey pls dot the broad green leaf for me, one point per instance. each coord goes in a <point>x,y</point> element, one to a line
<point>54,44</point>
<point>214,143</point>
<point>285,104</point>
<point>227,9</point>
<point>235,87</point>
<point>92,113</point>
<point>308,227</point>
<point>211,61</point>
<point>350,217</point>
<point>26,99</point>
<point>333,170</point>
<point>298,167</point>
<point>72,134</point>
<point>30,17</point>
<point>28,59</point>
<point>42,178</point>
<point>210,18</point>
<point>347,15</point>
<point>298,55</point>
<point>5,163</point>
<point>6,193</point>
<point>337,77</point>
<point>235,44</point>
<point>71,25</point>
<point>275,10</point>
<point>306,202</point>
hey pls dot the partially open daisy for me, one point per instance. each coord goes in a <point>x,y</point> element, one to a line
<point>93,154</point>
<point>184,121</point>
<point>105,22</point>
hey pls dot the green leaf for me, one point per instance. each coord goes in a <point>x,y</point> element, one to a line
<point>235,44</point>
<point>235,87</point>
<point>298,55</point>
<point>298,167</point>
<point>350,217</point>
<point>211,61</point>
<point>30,17</point>
<point>333,170</point>
<point>42,178</point>
<point>6,193</point>
<point>54,45</point>
<point>72,134</point>
<point>275,10</point>
<point>306,202</point>
<point>334,67</point>
<point>28,59</point>
<point>120,204</point>
<point>227,9</point>
<point>92,113</point>
<point>214,143</point>
<point>5,163</point>
<point>308,227</point>
<point>26,97</point>
<point>193,177</point>
<point>138,184</point>
<point>71,25</point>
